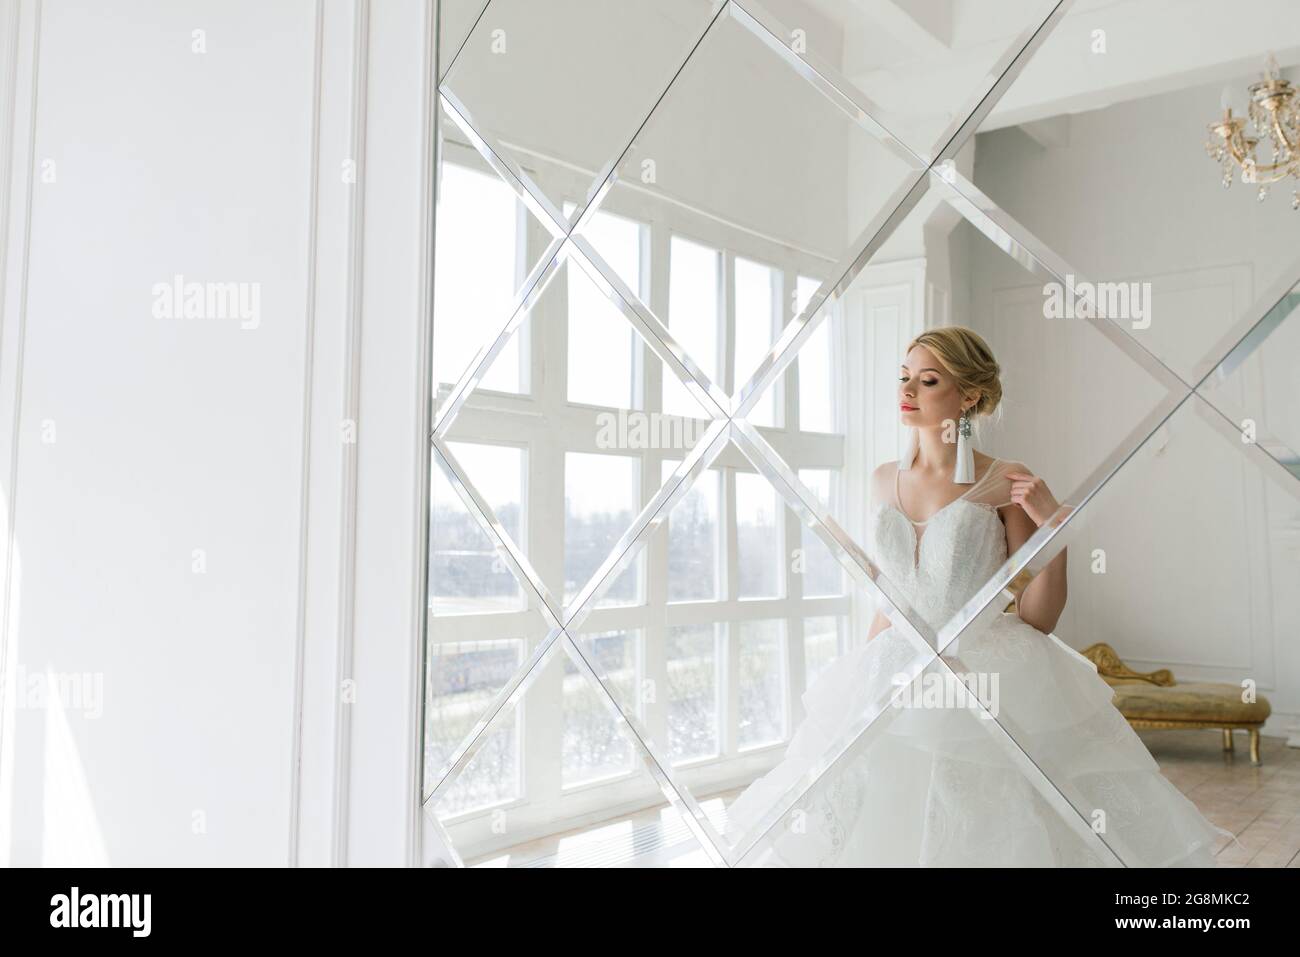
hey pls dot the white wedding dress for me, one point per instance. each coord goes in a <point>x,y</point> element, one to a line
<point>934,787</point>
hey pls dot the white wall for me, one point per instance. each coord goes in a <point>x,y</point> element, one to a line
<point>185,523</point>
<point>1144,204</point>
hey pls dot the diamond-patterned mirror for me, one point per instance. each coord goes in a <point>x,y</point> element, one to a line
<point>524,80</point>
<point>558,752</point>
<point>1135,88</point>
<point>682,610</point>
<point>917,68</point>
<point>925,269</point>
<point>752,601</point>
<point>984,804</point>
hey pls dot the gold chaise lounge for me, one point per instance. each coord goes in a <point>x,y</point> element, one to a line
<point>1155,700</point>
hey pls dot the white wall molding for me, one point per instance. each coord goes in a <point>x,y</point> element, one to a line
<point>392,447</point>
<point>360,788</point>
<point>21,69</point>
<point>330,469</point>
<point>342,691</point>
<point>300,162</point>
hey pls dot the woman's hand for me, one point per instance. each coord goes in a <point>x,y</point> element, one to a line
<point>1032,494</point>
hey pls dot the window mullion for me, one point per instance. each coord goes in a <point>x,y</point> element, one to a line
<point>729,660</point>
<point>795,655</point>
<point>790,418</point>
<point>543,731</point>
<point>727,321</point>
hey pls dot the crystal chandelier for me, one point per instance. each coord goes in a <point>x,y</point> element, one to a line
<point>1274,114</point>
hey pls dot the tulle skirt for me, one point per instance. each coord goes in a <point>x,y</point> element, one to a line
<point>932,783</point>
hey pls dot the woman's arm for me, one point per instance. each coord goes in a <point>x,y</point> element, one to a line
<point>1041,602</point>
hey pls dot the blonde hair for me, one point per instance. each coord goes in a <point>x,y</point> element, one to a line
<point>969,360</point>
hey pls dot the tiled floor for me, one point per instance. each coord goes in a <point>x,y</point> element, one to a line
<point>1260,805</point>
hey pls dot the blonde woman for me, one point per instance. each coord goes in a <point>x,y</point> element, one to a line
<point>940,785</point>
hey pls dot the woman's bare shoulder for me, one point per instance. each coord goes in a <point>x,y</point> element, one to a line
<point>882,481</point>
<point>884,473</point>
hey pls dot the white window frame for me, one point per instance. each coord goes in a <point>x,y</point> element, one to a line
<point>547,426</point>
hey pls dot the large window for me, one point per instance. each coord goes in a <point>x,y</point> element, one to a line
<point>477,273</point>
<point>710,637</point>
<point>603,358</point>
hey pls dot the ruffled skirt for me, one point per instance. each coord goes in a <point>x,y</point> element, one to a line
<point>933,783</point>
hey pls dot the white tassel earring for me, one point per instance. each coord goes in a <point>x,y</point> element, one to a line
<point>964,473</point>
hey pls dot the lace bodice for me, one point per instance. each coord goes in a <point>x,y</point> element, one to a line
<point>940,563</point>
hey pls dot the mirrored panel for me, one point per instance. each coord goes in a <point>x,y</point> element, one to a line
<point>456,18</point>
<point>756,633</point>
<point>1114,146</point>
<point>1252,387</point>
<point>918,68</point>
<point>485,622</point>
<point>556,778</point>
<point>871,379</point>
<point>556,90</point>
<point>753,170</point>
<point>1143,637</point>
<point>931,782</point>
<point>590,428</point>
<point>490,246</point>
<point>682,351</point>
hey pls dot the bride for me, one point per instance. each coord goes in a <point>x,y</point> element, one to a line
<point>940,786</point>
